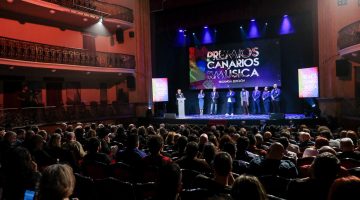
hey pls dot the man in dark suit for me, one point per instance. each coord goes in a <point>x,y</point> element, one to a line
<point>230,99</point>
<point>256,94</point>
<point>214,100</point>
<point>275,98</point>
<point>179,94</point>
<point>266,100</point>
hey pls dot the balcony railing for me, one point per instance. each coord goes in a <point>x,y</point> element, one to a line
<point>349,35</point>
<point>98,8</point>
<point>36,52</point>
<point>16,117</point>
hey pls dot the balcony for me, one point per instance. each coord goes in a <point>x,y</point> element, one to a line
<point>77,15</point>
<point>66,58</point>
<point>349,42</point>
<point>98,8</point>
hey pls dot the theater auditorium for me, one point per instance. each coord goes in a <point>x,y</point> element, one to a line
<point>179,99</point>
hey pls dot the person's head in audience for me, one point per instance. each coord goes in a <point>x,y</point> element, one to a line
<point>170,138</point>
<point>222,168</point>
<point>223,140</point>
<point>320,142</point>
<point>57,182</point>
<point>192,150</point>
<point>345,188</point>
<point>242,143</point>
<point>343,133</point>
<point>304,136</point>
<point>155,144</point>
<point>326,133</point>
<point>55,140</point>
<point>169,184</point>
<point>213,139</point>
<point>209,152</point>
<point>276,151</point>
<point>267,136</point>
<point>70,128</point>
<point>248,187</point>
<point>230,148</point>
<point>79,133</point>
<point>353,136</point>
<point>203,138</point>
<point>10,138</point>
<point>181,144</point>
<point>325,167</point>
<point>93,145</point>
<point>327,149</point>
<point>20,135</point>
<point>133,141</point>
<point>36,143</point>
<point>35,129</point>
<point>259,139</point>
<point>150,130</point>
<point>91,133</point>
<point>243,131</point>
<point>346,145</point>
<point>284,141</point>
<point>43,134</point>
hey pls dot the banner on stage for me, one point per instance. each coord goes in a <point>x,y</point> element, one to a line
<point>248,64</point>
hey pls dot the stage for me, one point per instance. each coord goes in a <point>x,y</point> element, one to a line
<point>252,119</point>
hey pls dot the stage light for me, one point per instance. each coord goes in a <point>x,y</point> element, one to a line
<point>286,26</point>
<point>207,35</point>
<point>180,37</point>
<point>266,23</point>
<point>193,33</point>
<point>101,19</point>
<point>253,30</point>
<point>205,27</point>
<point>180,30</point>
<point>215,30</point>
<point>241,27</point>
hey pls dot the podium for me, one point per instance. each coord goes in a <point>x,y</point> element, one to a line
<point>181,107</point>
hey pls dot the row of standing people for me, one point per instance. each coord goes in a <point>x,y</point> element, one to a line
<point>266,97</point>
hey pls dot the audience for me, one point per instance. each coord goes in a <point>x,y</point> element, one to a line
<point>241,150</point>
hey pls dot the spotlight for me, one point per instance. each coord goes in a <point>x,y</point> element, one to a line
<point>205,27</point>
<point>285,15</point>
<point>252,20</point>
<point>241,27</point>
<point>193,33</point>
<point>101,19</point>
<point>215,30</point>
<point>184,35</point>
<point>266,23</point>
<point>180,30</point>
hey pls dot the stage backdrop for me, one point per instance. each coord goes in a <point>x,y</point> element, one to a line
<point>247,64</point>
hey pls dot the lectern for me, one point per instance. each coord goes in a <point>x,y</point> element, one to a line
<point>181,107</point>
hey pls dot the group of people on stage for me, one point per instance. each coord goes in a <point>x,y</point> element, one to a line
<point>265,97</point>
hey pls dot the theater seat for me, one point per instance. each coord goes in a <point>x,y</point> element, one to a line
<point>114,189</point>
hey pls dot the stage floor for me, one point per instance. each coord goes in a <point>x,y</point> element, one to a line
<point>251,119</point>
<point>242,117</point>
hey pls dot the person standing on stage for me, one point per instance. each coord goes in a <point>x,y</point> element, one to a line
<point>256,95</point>
<point>179,94</point>
<point>214,100</point>
<point>275,98</point>
<point>201,97</point>
<point>244,96</point>
<point>230,96</point>
<point>266,100</point>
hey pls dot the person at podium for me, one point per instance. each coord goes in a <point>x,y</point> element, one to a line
<point>179,94</point>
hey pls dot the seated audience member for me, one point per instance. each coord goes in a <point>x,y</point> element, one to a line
<point>248,188</point>
<point>8,142</point>
<point>169,183</point>
<point>253,148</point>
<point>353,136</point>
<point>209,153</point>
<point>345,188</point>
<point>131,155</point>
<point>239,166</point>
<point>324,171</point>
<point>191,161</point>
<point>267,138</point>
<point>61,155</point>
<point>305,141</point>
<point>57,182</point>
<point>313,151</point>
<point>103,135</point>
<point>180,146</point>
<point>93,154</point>
<point>203,139</point>
<point>242,154</point>
<point>37,150</point>
<point>347,150</point>
<point>20,173</point>
<point>260,142</point>
<point>288,154</point>
<point>293,147</point>
<point>273,163</point>
<point>223,179</point>
<point>73,146</point>
<point>155,145</point>
<point>326,133</point>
